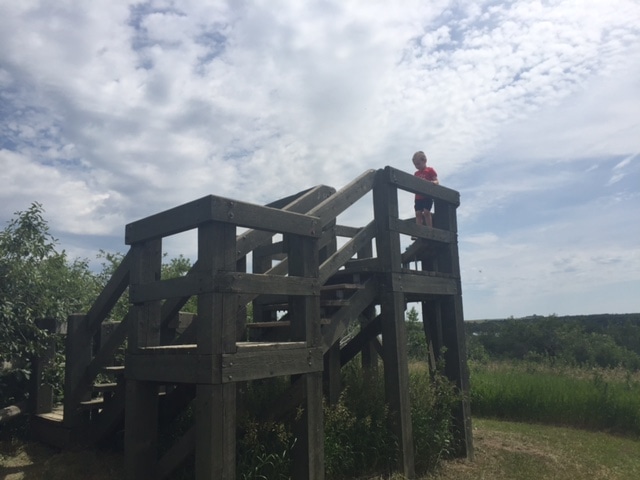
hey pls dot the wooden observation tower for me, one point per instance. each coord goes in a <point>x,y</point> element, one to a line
<point>321,276</point>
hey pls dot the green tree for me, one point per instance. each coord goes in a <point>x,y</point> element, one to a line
<point>37,281</point>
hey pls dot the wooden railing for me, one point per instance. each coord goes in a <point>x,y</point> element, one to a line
<point>312,214</point>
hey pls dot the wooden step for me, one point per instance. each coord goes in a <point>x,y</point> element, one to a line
<point>104,387</point>
<point>281,324</point>
<point>93,404</point>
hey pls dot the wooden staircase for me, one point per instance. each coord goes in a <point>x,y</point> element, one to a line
<point>307,294</point>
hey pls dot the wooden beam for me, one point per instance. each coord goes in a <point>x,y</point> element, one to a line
<point>413,184</point>
<point>422,284</point>
<point>409,227</point>
<point>244,366</point>
<point>212,208</point>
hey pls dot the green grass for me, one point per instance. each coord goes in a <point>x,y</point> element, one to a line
<point>503,451</point>
<point>510,451</point>
<point>606,400</point>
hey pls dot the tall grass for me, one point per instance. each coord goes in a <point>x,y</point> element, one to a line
<point>358,440</point>
<point>597,399</point>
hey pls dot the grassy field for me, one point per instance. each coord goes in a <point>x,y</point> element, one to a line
<point>504,451</point>
<point>596,399</point>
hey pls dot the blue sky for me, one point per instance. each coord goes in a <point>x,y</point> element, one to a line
<point>111,111</point>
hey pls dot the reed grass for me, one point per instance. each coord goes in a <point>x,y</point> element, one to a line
<point>597,399</point>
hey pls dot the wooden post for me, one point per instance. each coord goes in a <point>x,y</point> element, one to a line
<point>78,347</point>
<point>308,458</point>
<point>141,403</point>
<point>369,356</point>
<point>453,336</point>
<point>215,405</point>
<point>394,338</point>
<point>41,396</point>
<point>332,378</point>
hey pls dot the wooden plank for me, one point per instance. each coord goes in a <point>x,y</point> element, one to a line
<point>212,208</point>
<point>396,375</point>
<point>249,240</point>
<point>413,184</point>
<point>425,285</point>
<point>348,250</point>
<point>78,344</point>
<point>341,319</point>
<point>215,412</point>
<point>347,231</point>
<point>337,203</point>
<point>308,451</point>
<point>110,294</point>
<point>215,405</point>
<point>236,282</point>
<point>141,430</point>
<point>246,365</point>
<point>409,227</point>
<point>186,286</point>
<point>385,207</point>
<point>174,367</point>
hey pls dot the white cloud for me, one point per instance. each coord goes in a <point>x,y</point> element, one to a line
<point>115,110</point>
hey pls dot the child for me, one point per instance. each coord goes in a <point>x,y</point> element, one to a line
<point>423,203</point>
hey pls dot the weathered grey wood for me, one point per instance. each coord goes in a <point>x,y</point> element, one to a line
<point>174,367</point>
<point>145,268</point>
<point>212,208</point>
<point>366,337</point>
<point>141,403</point>
<point>244,366</point>
<point>348,250</point>
<point>413,184</point>
<point>41,394</point>
<point>111,293</point>
<point>453,332</point>
<point>409,227</point>
<point>396,375</point>
<point>215,409</point>
<point>332,383</point>
<point>78,345</point>
<point>347,231</point>
<point>215,405</point>
<point>337,203</point>
<point>385,206</point>
<point>432,325</point>
<point>251,239</point>
<point>408,283</point>
<point>308,455</point>
<point>396,371</point>
<point>340,320</point>
<point>141,430</point>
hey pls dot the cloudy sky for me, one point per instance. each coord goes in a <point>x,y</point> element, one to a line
<point>114,110</point>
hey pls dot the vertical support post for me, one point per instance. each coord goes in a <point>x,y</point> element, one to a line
<point>78,347</point>
<point>432,326</point>
<point>308,458</point>
<point>332,378</point>
<point>262,263</point>
<point>453,336</point>
<point>141,404</point>
<point>41,396</point>
<point>394,337</point>
<point>369,357</point>
<point>331,375</point>
<point>215,405</point>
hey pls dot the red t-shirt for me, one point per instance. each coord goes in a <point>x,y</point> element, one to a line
<point>428,174</point>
